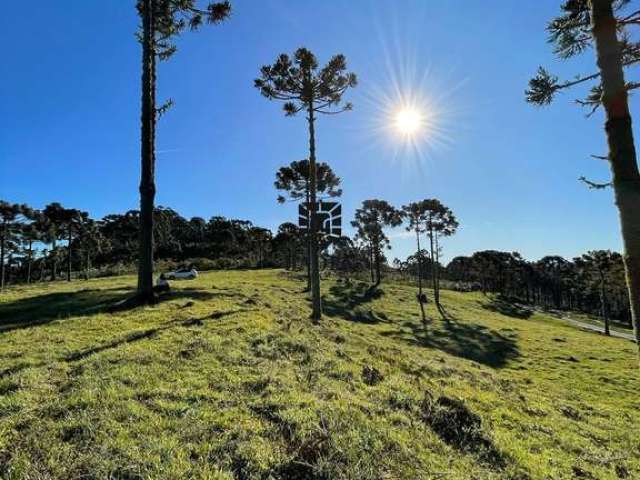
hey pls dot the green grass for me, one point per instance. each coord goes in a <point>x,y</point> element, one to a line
<point>228,379</point>
<point>614,325</point>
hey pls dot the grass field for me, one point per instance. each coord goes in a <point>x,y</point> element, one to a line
<point>228,379</point>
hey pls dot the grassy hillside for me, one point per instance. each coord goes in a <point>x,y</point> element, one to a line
<point>228,379</point>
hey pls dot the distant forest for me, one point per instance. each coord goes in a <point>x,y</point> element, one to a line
<point>62,243</point>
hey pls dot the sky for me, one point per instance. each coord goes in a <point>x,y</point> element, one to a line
<point>70,109</point>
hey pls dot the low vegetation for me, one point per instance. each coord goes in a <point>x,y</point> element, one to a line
<point>227,378</point>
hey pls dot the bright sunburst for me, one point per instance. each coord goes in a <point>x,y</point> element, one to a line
<point>411,115</point>
<point>412,110</point>
<point>408,121</point>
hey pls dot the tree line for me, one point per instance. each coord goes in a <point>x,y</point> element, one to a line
<point>592,283</point>
<point>55,242</point>
<point>58,242</point>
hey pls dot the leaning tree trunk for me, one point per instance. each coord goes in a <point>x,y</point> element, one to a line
<point>315,268</point>
<point>622,153</point>
<point>147,153</point>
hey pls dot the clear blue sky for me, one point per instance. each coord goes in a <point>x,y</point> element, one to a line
<point>69,117</point>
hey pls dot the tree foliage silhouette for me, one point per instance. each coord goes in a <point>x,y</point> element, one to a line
<point>73,222</point>
<point>294,181</point>
<point>370,221</point>
<point>439,221</point>
<point>287,242</point>
<point>162,22</point>
<point>55,216</point>
<point>303,86</point>
<point>12,216</point>
<point>597,267</point>
<point>605,26</point>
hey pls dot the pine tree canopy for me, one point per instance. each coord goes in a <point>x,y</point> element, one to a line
<point>298,82</point>
<point>172,17</point>
<point>570,34</point>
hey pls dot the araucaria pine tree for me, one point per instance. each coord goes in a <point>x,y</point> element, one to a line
<point>370,221</point>
<point>294,180</point>
<point>596,267</point>
<point>439,222</point>
<point>303,87</point>
<point>12,215</point>
<point>162,21</point>
<point>415,214</point>
<point>605,25</point>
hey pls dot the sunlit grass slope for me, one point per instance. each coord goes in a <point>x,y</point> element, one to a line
<point>228,379</point>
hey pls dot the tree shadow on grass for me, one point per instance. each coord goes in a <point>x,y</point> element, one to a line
<point>444,313</point>
<point>504,306</point>
<point>42,309</point>
<point>462,339</point>
<point>348,300</point>
<point>128,338</point>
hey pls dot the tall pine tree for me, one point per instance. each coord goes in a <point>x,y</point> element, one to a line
<point>303,87</point>
<point>605,25</point>
<point>162,21</point>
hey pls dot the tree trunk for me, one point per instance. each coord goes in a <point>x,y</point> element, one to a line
<point>437,265</point>
<point>603,305</point>
<point>147,153</point>
<point>371,271</point>
<point>419,254</point>
<point>308,236</point>
<point>54,260</point>
<point>622,153</point>
<point>315,270</point>
<point>87,265</point>
<point>69,252</point>
<point>436,294</point>
<point>9,269</point>
<point>29,261</point>
<point>376,257</point>
<point>292,257</point>
<point>424,317</point>
<point>2,252</point>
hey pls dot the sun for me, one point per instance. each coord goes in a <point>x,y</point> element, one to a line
<point>408,121</point>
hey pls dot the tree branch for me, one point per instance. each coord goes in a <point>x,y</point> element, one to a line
<point>595,185</point>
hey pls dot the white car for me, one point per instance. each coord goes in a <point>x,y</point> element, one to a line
<point>182,274</point>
